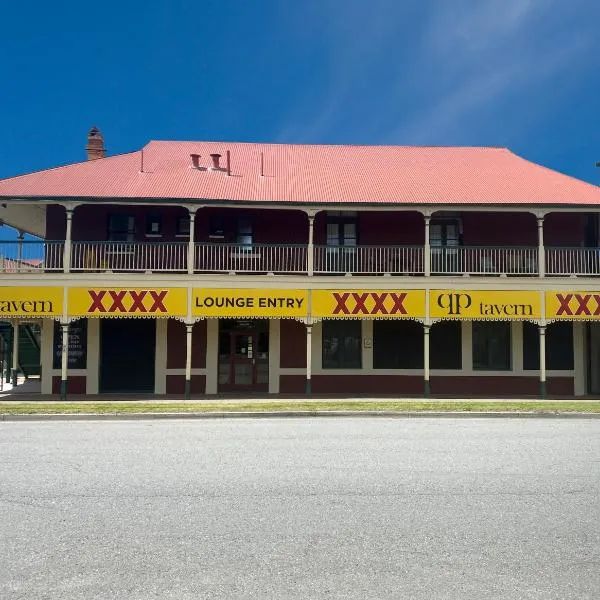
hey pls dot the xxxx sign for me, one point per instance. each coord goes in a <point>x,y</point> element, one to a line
<point>122,302</point>
<point>573,305</point>
<point>380,304</point>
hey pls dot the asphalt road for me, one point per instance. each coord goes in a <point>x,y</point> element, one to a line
<point>300,508</point>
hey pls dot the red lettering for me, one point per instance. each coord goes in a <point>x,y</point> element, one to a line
<point>583,309</point>
<point>137,301</point>
<point>360,307</point>
<point>158,298</point>
<point>96,304</point>
<point>398,303</point>
<point>564,308</point>
<point>597,299</point>
<point>379,306</point>
<point>117,298</point>
<point>341,304</point>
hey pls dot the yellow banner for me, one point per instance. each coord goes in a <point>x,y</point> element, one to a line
<point>249,303</point>
<point>31,302</point>
<point>126,302</point>
<point>484,304</point>
<point>582,306</point>
<point>379,304</point>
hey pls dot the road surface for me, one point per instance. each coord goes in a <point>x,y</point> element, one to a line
<point>300,508</point>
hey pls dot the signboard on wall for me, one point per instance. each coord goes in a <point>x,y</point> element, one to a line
<point>484,304</point>
<point>573,305</point>
<point>27,302</point>
<point>77,355</point>
<point>234,303</point>
<point>127,302</point>
<point>380,304</point>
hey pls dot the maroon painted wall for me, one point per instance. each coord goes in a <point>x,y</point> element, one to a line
<point>75,384</point>
<point>176,345</point>
<point>90,223</point>
<point>292,350</point>
<point>176,384</point>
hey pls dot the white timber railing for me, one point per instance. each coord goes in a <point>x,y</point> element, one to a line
<point>254,258</point>
<point>370,260</point>
<point>572,261</point>
<point>484,260</point>
<point>30,256</point>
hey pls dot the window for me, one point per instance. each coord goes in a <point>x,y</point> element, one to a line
<point>342,345</point>
<point>216,227</point>
<point>445,345</point>
<point>397,344</point>
<point>243,233</point>
<point>491,346</point>
<point>183,226</point>
<point>153,224</point>
<point>342,228</point>
<point>559,347</point>
<point>121,228</point>
<point>444,233</point>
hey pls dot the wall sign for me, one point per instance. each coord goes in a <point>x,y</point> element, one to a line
<point>233,303</point>
<point>484,304</point>
<point>77,354</point>
<point>573,305</point>
<point>30,302</point>
<point>125,302</point>
<point>357,304</point>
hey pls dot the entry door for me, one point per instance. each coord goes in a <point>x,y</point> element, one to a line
<point>242,364</point>
<point>243,359</point>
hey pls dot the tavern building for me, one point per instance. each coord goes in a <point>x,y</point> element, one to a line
<point>208,267</point>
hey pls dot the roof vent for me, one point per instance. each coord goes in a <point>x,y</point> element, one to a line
<point>195,161</point>
<point>215,162</point>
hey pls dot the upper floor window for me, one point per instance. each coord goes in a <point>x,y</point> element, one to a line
<point>444,232</point>
<point>153,224</point>
<point>121,228</point>
<point>342,228</point>
<point>243,232</point>
<point>183,226</point>
<point>216,227</point>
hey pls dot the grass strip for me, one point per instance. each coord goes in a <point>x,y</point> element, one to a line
<point>28,408</point>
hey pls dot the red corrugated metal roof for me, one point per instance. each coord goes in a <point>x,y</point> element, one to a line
<point>312,174</point>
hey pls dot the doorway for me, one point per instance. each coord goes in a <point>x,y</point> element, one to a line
<point>243,355</point>
<point>127,355</point>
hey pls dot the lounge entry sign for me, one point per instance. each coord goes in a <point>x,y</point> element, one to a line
<point>265,303</point>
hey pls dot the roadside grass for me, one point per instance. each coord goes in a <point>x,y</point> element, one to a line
<point>29,408</point>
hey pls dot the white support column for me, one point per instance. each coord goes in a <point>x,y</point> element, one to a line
<point>212,356</point>
<point>67,246</point>
<point>308,385</point>
<point>427,247</point>
<point>160,357</point>
<point>367,345</point>
<point>542,360</point>
<point>92,380</point>
<point>189,328</point>
<point>541,249</point>
<point>191,253</point>
<point>310,251</point>
<point>274,354</point>
<point>15,354</point>
<point>64,361</point>
<point>467,346</point>
<point>426,369</point>
<point>516,363</point>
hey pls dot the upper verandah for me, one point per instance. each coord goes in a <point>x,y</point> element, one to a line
<point>308,174</point>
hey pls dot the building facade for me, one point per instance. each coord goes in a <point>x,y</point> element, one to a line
<point>201,268</point>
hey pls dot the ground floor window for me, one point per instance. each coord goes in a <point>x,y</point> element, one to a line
<point>445,345</point>
<point>559,346</point>
<point>397,345</point>
<point>491,346</point>
<point>342,344</point>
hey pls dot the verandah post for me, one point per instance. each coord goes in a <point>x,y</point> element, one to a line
<point>427,384</point>
<point>542,329</point>
<point>64,360</point>
<point>308,386</point>
<point>15,354</point>
<point>188,359</point>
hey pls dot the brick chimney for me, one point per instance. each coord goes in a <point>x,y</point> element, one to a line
<point>95,145</point>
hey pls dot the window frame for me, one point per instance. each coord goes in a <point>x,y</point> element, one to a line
<point>508,355</point>
<point>336,327</point>
<point>113,234</point>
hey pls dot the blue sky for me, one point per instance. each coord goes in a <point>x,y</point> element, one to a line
<point>518,73</point>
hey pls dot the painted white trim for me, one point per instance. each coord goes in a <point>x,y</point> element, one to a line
<point>182,372</point>
<point>212,356</point>
<point>160,362</point>
<point>92,385</point>
<point>467,346</point>
<point>516,337</point>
